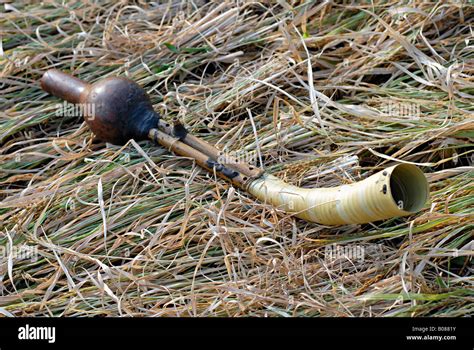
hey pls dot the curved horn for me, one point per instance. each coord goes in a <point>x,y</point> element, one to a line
<point>399,190</point>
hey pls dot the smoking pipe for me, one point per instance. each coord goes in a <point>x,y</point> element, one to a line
<point>122,111</point>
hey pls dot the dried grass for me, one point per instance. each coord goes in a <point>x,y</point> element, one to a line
<point>302,86</point>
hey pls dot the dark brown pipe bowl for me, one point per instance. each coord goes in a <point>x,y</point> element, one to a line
<point>117,108</point>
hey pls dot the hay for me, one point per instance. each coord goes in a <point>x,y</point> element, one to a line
<point>318,93</point>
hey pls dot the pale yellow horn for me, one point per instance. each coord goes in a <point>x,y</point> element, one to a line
<point>399,190</point>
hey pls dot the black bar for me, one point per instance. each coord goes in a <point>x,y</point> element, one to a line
<point>354,332</point>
